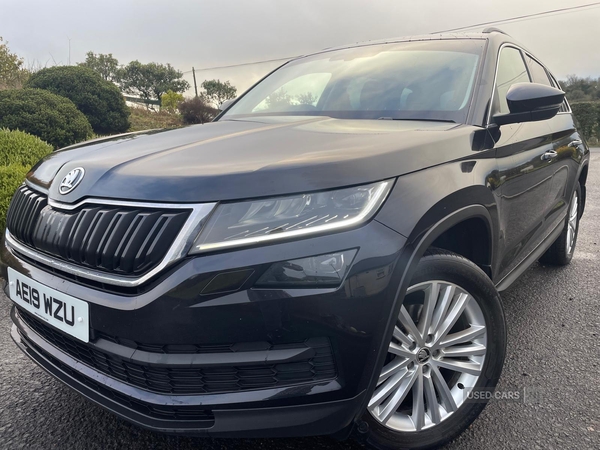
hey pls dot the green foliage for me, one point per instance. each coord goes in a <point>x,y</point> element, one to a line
<point>217,91</point>
<point>53,118</point>
<point>104,65</point>
<point>20,151</point>
<point>581,89</point>
<point>152,80</point>
<point>12,73</point>
<point>588,116</point>
<point>21,148</point>
<point>11,177</point>
<point>100,100</point>
<point>170,100</point>
<point>147,119</point>
<point>197,110</point>
<point>585,113</point>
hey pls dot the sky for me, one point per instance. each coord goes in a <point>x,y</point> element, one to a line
<point>208,33</point>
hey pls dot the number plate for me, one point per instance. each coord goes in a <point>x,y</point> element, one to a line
<point>62,311</point>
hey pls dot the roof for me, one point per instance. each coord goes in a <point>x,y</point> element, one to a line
<point>487,33</point>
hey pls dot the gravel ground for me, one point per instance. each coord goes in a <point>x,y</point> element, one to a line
<point>553,355</point>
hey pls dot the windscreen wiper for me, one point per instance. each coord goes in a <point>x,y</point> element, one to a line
<point>421,120</point>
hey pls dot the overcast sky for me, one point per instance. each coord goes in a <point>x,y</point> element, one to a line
<point>207,33</point>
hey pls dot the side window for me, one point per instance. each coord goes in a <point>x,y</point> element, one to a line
<point>511,70</point>
<point>565,106</point>
<point>538,73</point>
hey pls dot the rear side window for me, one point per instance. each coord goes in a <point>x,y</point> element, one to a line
<point>538,73</point>
<point>565,106</point>
<point>511,70</point>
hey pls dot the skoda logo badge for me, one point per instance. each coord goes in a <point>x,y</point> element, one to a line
<point>71,180</point>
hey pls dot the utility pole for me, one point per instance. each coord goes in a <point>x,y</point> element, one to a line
<point>195,86</point>
<point>69,61</point>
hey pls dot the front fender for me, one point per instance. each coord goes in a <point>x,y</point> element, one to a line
<point>422,200</point>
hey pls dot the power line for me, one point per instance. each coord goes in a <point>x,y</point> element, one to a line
<point>482,24</point>
<point>243,64</point>
<point>527,16</point>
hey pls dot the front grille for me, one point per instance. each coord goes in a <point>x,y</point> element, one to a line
<point>196,380</point>
<point>116,239</point>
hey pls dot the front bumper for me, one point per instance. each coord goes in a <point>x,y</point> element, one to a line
<point>157,325</point>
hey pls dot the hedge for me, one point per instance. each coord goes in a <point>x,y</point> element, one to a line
<point>11,177</point>
<point>20,151</point>
<point>50,117</point>
<point>100,100</point>
<point>588,116</point>
<point>21,148</point>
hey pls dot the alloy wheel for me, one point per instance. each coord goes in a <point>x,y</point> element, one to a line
<point>434,359</point>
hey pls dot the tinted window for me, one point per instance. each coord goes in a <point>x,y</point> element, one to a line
<point>511,70</point>
<point>565,105</point>
<point>430,80</point>
<point>538,73</point>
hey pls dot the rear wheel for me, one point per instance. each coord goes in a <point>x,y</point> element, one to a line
<point>561,252</point>
<point>447,347</point>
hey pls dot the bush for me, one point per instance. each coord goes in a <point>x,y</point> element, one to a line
<point>100,100</point>
<point>21,148</point>
<point>146,119</point>
<point>588,116</point>
<point>50,117</point>
<point>196,110</point>
<point>20,151</point>
<point>170,100</point>
<point>11,177</point>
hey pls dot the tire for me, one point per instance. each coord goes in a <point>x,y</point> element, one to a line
<point>445,277</point>
<point>561,252</point>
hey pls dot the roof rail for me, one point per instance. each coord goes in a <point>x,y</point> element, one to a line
<point>494,30</point>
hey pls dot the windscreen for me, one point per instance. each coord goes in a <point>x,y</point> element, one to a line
<point>419,80</point>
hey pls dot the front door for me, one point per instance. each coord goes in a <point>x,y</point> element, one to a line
<point>525,154</point>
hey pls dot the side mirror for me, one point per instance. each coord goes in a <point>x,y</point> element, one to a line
<point>529,102</point>
<point>226,104</point>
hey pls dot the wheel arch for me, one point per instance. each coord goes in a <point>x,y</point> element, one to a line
<point>474,203</point>
<point>582,179</point>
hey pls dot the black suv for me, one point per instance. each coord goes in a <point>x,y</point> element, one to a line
<point>324,258</point>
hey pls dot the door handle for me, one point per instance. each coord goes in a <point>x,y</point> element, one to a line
<point>550,154</point>
<point>575,143</point>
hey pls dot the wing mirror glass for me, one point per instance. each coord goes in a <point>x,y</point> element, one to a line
<point>529,102</point>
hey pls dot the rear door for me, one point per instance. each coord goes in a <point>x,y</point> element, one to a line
<point>525,153</point>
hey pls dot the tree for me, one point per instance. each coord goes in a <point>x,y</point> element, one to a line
<point>307,98</point>
<point>170,100</point>
<point>12,72</point>
<point>197,110</point>
<point>217,92</point>
<point>279,100</point>
<point>104,64</point>
<point>100,100</point>
<point>50,117</point>
<point>152,80</point>
<point>581,89</point>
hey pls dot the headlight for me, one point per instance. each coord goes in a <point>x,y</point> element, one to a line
<point>252,222</point>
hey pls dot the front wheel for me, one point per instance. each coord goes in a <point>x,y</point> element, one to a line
<point>444,358</point>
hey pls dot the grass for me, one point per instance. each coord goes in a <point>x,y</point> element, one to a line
<point>145,119</point>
